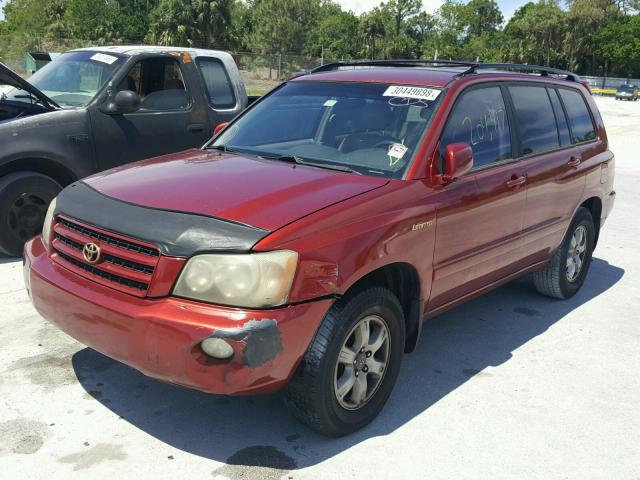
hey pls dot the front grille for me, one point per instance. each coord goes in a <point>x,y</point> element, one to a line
<point>136,267</point>
<point>124,264</point>
<point>109,276</point>
<point>134,247</point>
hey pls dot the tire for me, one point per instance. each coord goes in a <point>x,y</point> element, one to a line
<point>558,279</point>
<point>24,199</point>
<point>312,394</point>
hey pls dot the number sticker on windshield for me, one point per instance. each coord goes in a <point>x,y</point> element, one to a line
<point>420,93</point>
<point>104,58</point>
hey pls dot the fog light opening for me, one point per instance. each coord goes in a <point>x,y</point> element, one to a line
<point>217,348</point>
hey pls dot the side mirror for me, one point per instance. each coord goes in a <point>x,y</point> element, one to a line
<point>458,159</point>
<point>125,101</point>
<point>219,128</point>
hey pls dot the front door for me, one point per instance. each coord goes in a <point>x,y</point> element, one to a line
<point>481,215</point>
<point>168,120</point>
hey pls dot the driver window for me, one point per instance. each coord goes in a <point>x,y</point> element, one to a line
<point>479,118</point>
<point>159,83</point>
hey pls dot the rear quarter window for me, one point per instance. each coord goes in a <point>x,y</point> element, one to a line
<point>219,88</point>
<point>535,118</point>
<point>580,120</point>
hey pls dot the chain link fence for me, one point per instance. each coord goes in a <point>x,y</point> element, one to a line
<point>608,85</point>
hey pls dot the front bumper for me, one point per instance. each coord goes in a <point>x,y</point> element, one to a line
<point>161,337</point>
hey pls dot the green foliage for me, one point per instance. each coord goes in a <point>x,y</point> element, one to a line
<point>588,36</point>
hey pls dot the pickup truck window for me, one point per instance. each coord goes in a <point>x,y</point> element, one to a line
<point>535,118</point>
<point>579,118</point>
<point>74,78</point>
<point>374,129</point>
<point>219,89</point>
<point>479,118</point>
<point>159,83</point>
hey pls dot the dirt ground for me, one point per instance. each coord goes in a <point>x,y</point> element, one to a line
<point>510,385</point>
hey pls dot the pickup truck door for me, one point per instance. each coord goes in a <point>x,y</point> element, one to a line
<point>480,218</point>
<point>172,116</point>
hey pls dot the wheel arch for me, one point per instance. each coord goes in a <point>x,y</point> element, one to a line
<point>594,205</point>
<point>51,168</point>
<point>403,280</point>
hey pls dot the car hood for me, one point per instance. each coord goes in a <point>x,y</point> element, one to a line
<point>12,79</point>
<point>262,193</point>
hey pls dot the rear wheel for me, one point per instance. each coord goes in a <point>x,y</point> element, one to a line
<point>563,276</point>
<point>351,366</point>
<point>24,199</point>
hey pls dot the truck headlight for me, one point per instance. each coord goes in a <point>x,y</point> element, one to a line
<point>250,280</point>
<point>48,219</point>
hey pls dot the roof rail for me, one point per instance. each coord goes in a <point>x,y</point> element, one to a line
<point>544,71</point>
<point>391,63</point>
<point>473,67</point>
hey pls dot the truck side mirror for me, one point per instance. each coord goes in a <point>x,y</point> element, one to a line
<point>125,101</point>
<point>458,158</point>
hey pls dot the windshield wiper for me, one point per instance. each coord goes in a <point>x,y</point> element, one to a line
<point>301,161</point>
<point>222,148</point>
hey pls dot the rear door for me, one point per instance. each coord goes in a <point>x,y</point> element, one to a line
<point>168,121</point>
<point>481,215</point>
<point>552,145</point>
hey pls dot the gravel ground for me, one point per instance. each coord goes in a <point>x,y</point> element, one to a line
<point>510,385</point>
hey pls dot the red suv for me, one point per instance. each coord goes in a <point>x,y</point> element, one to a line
<point>304,246</point>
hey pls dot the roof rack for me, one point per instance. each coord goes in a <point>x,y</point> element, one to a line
<point>392,63</point>
<point>544,71</point>
<point>473,67</point>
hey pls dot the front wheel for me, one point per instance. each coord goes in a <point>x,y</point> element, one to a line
<point>563,276</point>
<point>24,199</point>
<point>351,365</point>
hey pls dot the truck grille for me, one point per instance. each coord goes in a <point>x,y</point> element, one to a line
<point>124,264</point>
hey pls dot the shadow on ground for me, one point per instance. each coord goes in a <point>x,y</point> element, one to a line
<point>4,259</point>
<point>248,432</point>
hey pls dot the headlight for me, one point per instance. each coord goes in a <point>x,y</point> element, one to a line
<point>250,280</point>
<point>46,226</point>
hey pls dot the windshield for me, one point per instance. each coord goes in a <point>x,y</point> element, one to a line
<point>72,79</point>
<point>373,129</point>
<point>626,88</point>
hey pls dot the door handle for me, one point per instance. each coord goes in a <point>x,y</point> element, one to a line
<point>516,181</point>
<point>195,128</point>
<point>574,161</point>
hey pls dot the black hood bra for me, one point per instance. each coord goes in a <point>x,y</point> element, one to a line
<point>178,234</point>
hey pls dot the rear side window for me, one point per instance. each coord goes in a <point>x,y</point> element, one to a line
<point>479,118</point>
<point>579,118</point>
<point>535,118</point>
<point>561,119</point>
<point>217,81</point>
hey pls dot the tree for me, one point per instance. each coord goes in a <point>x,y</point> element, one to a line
<point>482,16</point>
<point>619,44</point>
<point>399,11</point>
<point>335,36</point>
<point>536,34</point>
<point>282,26</point>
<point>371,29</point>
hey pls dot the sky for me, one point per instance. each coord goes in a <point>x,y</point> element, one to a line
<point>359,6</point>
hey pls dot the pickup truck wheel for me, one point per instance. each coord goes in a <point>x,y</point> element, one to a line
<point>563,276</point>
<point>351,365</point>
<point>24,199</point>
